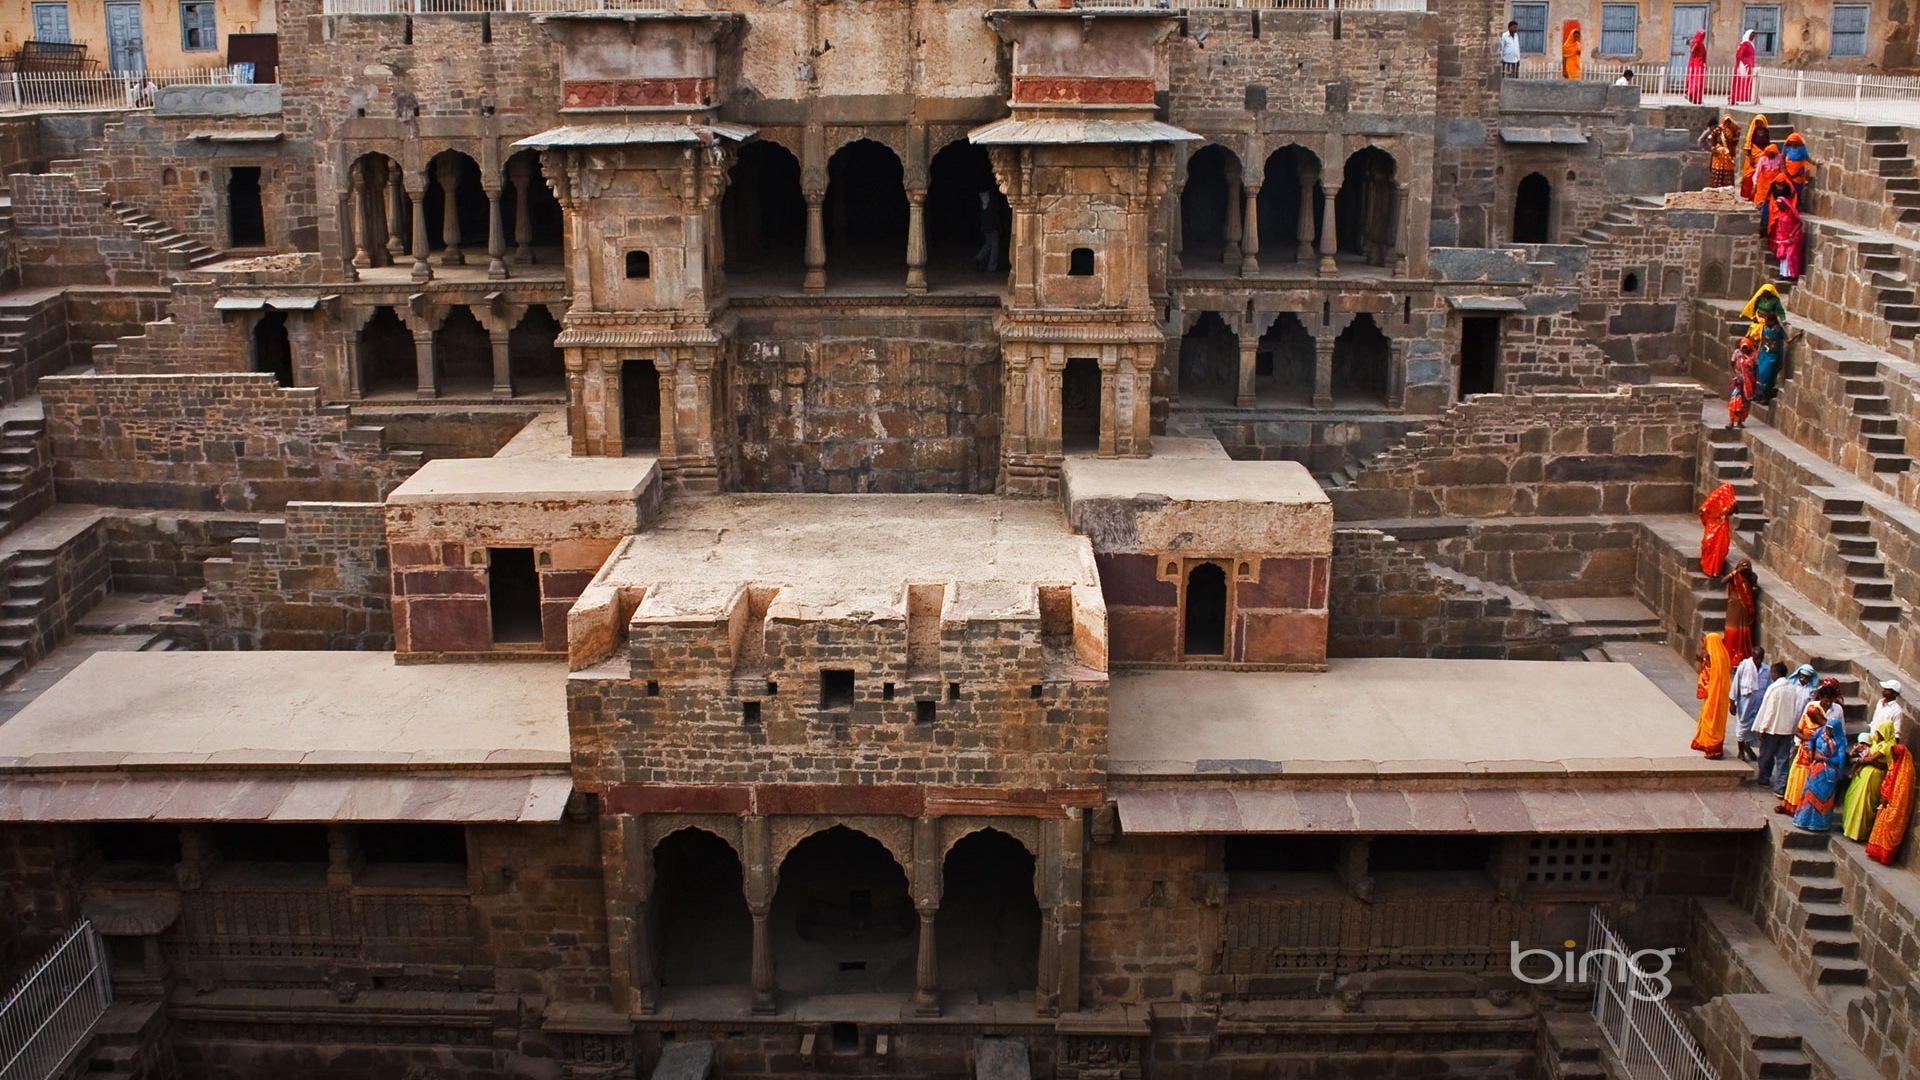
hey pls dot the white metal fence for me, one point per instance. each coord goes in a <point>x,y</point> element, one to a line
<point>55,1007</point>
<point>102,89</point>
<point>1767,86</point>
<point>440,7</point>
<point>1630,1005</point>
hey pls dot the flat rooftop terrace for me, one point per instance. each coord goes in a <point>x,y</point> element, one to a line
<point>288,736</point>
<point>839,555</point>
<point>1395,745</point>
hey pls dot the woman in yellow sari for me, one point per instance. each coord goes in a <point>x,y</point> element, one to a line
<point>1869,772</point>
<point>1570,49</point>
<point>1752,146</point>
<point>1716,681</point>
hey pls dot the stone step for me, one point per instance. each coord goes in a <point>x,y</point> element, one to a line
<point>1730,472</point>
<point>1863,388</point>
<point>1822,916</point>
<point>1870,588</point>
<point>1837,972</point>
<point>1782,1064</point>
<point>1903,331</point>
<point>1875,247</point>
<point>1851,367</point>
<point>1835,945</point>
<point>1876,423</point>
<point>1879,612</point>
<point>1814,891</point>
<point>1857,545</point>
<point>1888,149</point>
<point>1795,840</point>
<point>1815,865</point>
<point>1907,312</point>
<point>1890,463</point>
<point>1854,524</point>
<point>1885,444</point>
<point>1902,183</point>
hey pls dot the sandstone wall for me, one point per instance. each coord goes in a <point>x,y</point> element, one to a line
<point>209,442</point>
<point>1544,557</point>
<point>67,233</point>
<point>158,164</point>
<point>441,591</point>
<point>315,578</point>
<point>166,552</point>
<point>1389,601</point>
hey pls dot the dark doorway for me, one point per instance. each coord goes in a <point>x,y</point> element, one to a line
<point>1206,618</point>
<point>1080,406</point>
<point>765,216</point>
<point>640,407</point>
<point>702,931</point>
<point>1479,355</point>
<point>988,928</point>
<point>246,220</point>
<point>1289,170</point>
<point>513,594</point>
<point>866,215</point>
<point>1209,362</point>
<point>272,351</point>
<point>469,202</point>
<point>387,356</point>
<point>1533,210</point>
<point>843,918</point>
<point>534,362</point>
<point>1204,205</point>
<point>462,355</point>
<point>1362,360</point>
<point>545,223</point>
<point>1365,209</point>
<point>957,223</point>
<point>1284,367</point>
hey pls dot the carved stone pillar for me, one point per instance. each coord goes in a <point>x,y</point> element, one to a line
<point>1330,238</point>
<point>927,869</point>
<point>1304,253</point>
<point>1230,254</point>
<point>1249,359</point>
<point>502,363</point>
<point>396,211</point>
<point>1322,373</point>
<point>357,216</point>
<point>449,177</point>
<point>520,171</point>
<point>816,256</point>
<point>423,363</point>
<point>760,885</point>
<point>496,238</point>
<point>1402,200</point>
<point>421,270</point>
<point>1250,245</point>
<point>916,242</point>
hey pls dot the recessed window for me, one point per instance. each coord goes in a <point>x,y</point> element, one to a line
<point>1282,854</point>
<point>836,689</point>
<point>1849,30</point>
<point>750,713</point>
<point>953,691</point>
<point>197,32</point>
<point>271,843</point>
<point>138,843</point>
<point>445,844</point>
<point>653,688</point>
<point>886,691</point>
<point>1570,861</point>
<point>924,711</point>
<point>1630,283</point>
<point>1619,29</point>
<point>1080,262</point>
<point>639,265</point>
<point>1533,27</point>
<point>1428,854</point>
<point>1764,21</point>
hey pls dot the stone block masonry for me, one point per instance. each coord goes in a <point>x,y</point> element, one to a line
<point>313,579</point>
<point>1626,452</point>
<point>210,442</point>
<point>163,552</point>
<point>1389,601</point>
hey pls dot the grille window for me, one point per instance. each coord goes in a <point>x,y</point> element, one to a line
<point>1570,860</point>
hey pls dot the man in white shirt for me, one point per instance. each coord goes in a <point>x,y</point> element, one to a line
<point>1888,711</point>
<point>1510,50</point>
<point>1750,681</point>
<point>1779,717</point>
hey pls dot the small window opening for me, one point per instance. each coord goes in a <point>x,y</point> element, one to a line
<point>1479,355</point>
<point>443,844</point>
<point>272,348</point>
<point>1036,692</point>
<point>639,265</point>
<point>513,594</point>
<point>953,691</point>
<point>1406,310</point>
<point>1630,283</point>
<point>836,689</point>
<point>886,691</point>
<point>271,843</point>
<point>653,688</point>
<point>1275,854</point>
<point>1206,619</point>
<point>1080,262</point>
<point>406,31</point>
<point>1326,313</point>
<point>772,688</point>
<point>846,1038</point>
<point>924,711</point>
<point>750,713</point>
<point>486,29</point>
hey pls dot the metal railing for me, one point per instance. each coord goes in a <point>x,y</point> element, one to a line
<point>104,89</point>
<point>1776,86</point>
<point>1630,1005</point>
<point>474,7</point>
<point>55,1008</point>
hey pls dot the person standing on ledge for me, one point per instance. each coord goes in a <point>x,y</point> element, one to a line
<point>1697,68</point>
<point>1570,50</point>
<point>1825,752</point>
<point>1780,712</point>
<point>1510,51</point>
<point>1751,681</point>
<point>1721,141</point>
<point>1870,765</point>
<point>1710,736</point>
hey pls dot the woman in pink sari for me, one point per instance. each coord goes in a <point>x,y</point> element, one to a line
<point>1742,90</point>
<point>1697,68</point>
<point>1789,235</point>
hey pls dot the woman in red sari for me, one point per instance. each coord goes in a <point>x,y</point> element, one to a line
<point>1788,236</point>
<point>1746,382</point>
<point>1697,68</point>
<point>1743,587</point>
<point>1716,520</point>
<point>1896,806</point>
<point>1742,90</point>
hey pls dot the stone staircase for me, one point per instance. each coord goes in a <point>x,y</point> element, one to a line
<point>1892,291</point>
<point>1732,466</point>
<point>173,250</point>
<point>1826,931</point>
<point>1571,1047</point>
<point>26,474</point>
<point>1872,411</point>
<point>1850,530</point>
<point>1893,160</point>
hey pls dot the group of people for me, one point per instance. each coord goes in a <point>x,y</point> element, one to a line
<point>1740,89</point>
<point>1773,176</point>
<point>1791,724</point>
<point>1758,357</point>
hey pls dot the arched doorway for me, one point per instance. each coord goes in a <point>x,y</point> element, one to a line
<point>988,928</point>
<point>387,357</point>
<point>843,919</point>
<point>1533,210</point>
<point>702,933</point>
<point>462,356</point>
<point>272,351</point>
<point>540,237</point>
<point>1213,173</point>
<point>1080,405</point>
<point>1204,623</point>
<point>466,226</point>
<point>1284,367</point>
<point>765,219</point>
<point>1290,205</point>
<point>1362,361</point>
<point>639,407</point>
<point>1209,362</point>
<point>866,215</point>
<point>1365,211</point>
<point>958,222</point>
<point>534,363</point>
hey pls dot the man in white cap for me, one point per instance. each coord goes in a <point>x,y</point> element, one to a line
<point>1888,710</point>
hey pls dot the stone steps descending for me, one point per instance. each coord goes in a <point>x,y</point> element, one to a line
<point>1731,465</point>
<point>1866,577</point>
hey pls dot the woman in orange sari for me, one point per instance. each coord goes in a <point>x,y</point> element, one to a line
<point>1570,50</point>
<point>1716,682</point>
<point>1716,521</point>
<point>1896,806</point>
<point>1756,142</point>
